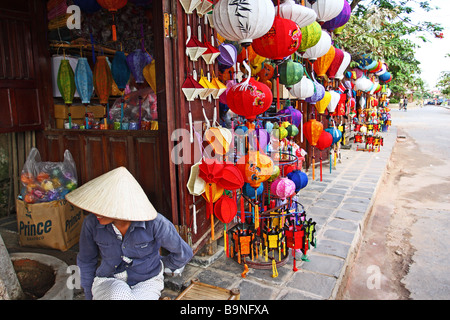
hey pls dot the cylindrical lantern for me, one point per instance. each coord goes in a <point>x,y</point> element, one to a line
<point>301,15</point>
<point>341,19</point>
<point>310,36</point>
<point>336,63</point>
<point>320,49</point>
<point>323,63</point>
<point>120,70</point>
<point>282,40</point>
<point>102,79</point>
<point>249,98</point>
<point>84,80</point>
<point>290,72</point>
<point>326,9</point>
<point>243,21</point>
<point>303,89</point>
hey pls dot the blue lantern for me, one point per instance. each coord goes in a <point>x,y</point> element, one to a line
<point>249,191</point>
<point>299,178</point>
<point>120,70</point>
<point>335,133</point>
<point>84,80</point>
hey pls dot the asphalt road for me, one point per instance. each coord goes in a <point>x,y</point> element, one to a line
<point>405,250</point>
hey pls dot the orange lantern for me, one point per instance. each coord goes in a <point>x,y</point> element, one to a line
<point>255,167</point>
<point>324,62</point>
<point>102,79</point>
<point>312,131</point>
<point>113,6</point>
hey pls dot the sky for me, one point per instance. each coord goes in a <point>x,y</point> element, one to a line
<point>432,54</point>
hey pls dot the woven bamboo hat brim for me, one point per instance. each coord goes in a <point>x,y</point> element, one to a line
<point>115,194</point>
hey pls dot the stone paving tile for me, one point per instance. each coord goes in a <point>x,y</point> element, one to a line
<point>315,283</point>
<point>251,290</point>
<point>348,215</point>
<point>333,248</point>
<point>331,197</point>
<point>328,204</point>
<point>355,193</point>
<point>335,190</point>
<point>219,279</point>
<point>339,235</point>
<point>316,210</point>
<point>356,200</point>
<point>324,264</point>
<point>292,294</point>
<point>355,207</point>
<point>346,225</point>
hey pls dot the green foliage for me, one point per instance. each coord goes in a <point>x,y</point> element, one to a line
<point>444,83</point>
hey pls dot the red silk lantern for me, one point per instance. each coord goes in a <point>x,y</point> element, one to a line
<point>282,40</point>
<point>225,209</point>
<point>249,98</point>
<point>336,63</point>
<point>312,131</point>
<point>231,178</point>
<point>112,6</point>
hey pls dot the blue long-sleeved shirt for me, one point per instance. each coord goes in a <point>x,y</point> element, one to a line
<point>141,243</point>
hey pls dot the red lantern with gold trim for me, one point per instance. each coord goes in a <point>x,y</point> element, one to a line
<point>282,40</point>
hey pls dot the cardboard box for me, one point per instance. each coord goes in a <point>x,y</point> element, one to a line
<point>77,112</point>
<point>56,224</point>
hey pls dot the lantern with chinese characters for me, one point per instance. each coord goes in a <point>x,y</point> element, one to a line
<point>243,21</point>
<point>113,6</point>
<point>301,15</point>
<point>320,49</point>
<point>249,98</point>
<point>326,9</point>
<point>282,40</point>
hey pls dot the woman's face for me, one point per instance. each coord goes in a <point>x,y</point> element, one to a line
<point>103,220</point>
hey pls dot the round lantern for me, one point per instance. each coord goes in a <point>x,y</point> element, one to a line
<point>382,70</point>
<point>326,9</point>
<point>303,89</point>
<point>136,61</point>
<point>320,49</point>
<point>335,63</point>
<point>323,63</point>
<point>249,98</point>
<point>363,84</point>
<point>299,178</point>
<point>371,65</point>
<point>335,97</point>
<point>322,104</point>
<point>345,63</point>
<point>364,61</point>
<point>341,19</point>
<point>291,72</point>
<point>225,209</point>
<point>312,130</point>
<point>283,188</point>
<point>282,40</point>
<point>255,168</point>
<point>249,191</point>
<point>228,55</point>
<point>325,140</point>
<point>244,21</point>
<point>310,36</point>
<point>335,133</point>
<point>275,173</point>
<point>385,77</point>
<point>301,15</point>
<point>318,94</point>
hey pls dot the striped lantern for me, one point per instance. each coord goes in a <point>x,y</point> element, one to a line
<point>345,63</point>
<point>340,20</point>
<point>291,72</point>
<point>336,63</point>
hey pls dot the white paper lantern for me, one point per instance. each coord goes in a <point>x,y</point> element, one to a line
<point>326,9</point>
<point>382,71</point>
<point>243,21</point>
<point>320,49</point>
<point>303,89</point>
<point>345,63</point>
<point>363,84</point>
<point>301,15</point>
<point>335,97</point>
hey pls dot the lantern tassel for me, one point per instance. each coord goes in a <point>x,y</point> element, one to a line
<point>140,112</point>
<point>256,213</point>
<point>242,209</point>
<point>211,212</point>
<point>321,168</point>
<point>121,111</point>
<point>194,215</point>
<point>313,164</point>
<point>86,116</point>
<point>70,116</point>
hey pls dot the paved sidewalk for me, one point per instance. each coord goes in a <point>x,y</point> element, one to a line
<point>339,204</point>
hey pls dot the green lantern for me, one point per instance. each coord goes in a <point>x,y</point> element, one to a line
<point>291,72</point>
<point>310,36</point>
<point>66,84</point>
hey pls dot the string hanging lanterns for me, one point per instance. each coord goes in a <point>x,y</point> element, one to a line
<point>291,72</point>
<point>326,9</point>
<point>303,89</point>
<point>344,64</point>
<point>311,35</point>
<point>136,61</point>
<point>335,63</point>
<point>301,15</point>
<point>312,131</point>
<point>323,63</point>
<point>243,21</point>
<point>340,20</point>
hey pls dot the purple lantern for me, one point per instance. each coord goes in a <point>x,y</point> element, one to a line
<point>295,114</point>
<point>341,19</point>
<point>228,55</point>
<point>318,94</point>
<point>136,61</point>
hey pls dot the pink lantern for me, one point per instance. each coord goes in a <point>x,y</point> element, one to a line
<point>283,188</point>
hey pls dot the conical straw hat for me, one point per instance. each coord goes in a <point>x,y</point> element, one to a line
<point>115,194</point>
